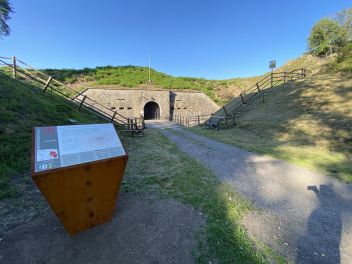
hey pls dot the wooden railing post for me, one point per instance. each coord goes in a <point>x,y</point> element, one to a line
<point>258,87</point>
<point>14,69</point>
<point>271,79</point>
<point>224,110</point>
<point>242,98</point>
<point>284,77</point>
<point>113,116</point>
<point>47,83</point>
<point>198,120</point>
<point>82,102</point>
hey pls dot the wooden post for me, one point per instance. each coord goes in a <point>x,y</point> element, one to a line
<point>47,83</point>
<point>258,87</point>
<point>14,69</point>
<point>284,77</point>
<point>198,120</point>
<point>225,110</point>
<point>242,98</point>
<point>271,79</point>
<point>80,105</point>
<point>113,116</point>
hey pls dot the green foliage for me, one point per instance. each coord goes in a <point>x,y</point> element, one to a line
<point>326,37</point>
<point>345,53</point>
<point>5,10</point>
<point>344,59</point>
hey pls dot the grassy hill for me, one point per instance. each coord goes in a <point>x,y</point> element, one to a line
<point>22,107</point>
<point>221,91</point>
<point>307,122</point>
<point>135,76</point>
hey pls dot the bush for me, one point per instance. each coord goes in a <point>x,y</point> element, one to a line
<point>345,53</point>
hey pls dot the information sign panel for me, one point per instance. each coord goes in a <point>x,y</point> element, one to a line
<point>61,146</point>
<point>79,170</point>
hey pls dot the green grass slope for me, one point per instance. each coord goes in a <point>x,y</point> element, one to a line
<point>23,107</point>
<point>221,91</point>
<point>308,122</point>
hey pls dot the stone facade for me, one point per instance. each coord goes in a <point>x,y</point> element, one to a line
<point>133,102</point>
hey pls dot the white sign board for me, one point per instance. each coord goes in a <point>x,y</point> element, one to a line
<point>61,146</point>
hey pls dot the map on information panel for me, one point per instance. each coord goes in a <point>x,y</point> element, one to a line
<point>61,146</point>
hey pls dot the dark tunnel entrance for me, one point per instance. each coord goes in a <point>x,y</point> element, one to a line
<point>151,111</point>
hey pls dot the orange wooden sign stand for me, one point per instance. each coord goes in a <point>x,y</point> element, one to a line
<point>82,195</point>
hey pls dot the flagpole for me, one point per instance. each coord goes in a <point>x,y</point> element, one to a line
<point>149,67</point>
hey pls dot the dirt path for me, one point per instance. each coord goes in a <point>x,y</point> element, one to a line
<point>144,230</point>
<point>304,215</point>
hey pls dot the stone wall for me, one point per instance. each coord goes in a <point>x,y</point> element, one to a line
<point>191,104</point>
<point>131,102</point>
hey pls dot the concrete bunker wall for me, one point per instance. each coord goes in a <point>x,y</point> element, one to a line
<point>131,102</point>
<point>191,104</point>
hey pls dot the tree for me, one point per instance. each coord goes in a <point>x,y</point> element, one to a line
<point>344,18</point>
<point>326,37</point>
<point>5,10</point>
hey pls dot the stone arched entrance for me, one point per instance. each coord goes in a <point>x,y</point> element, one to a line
<point>151,111</point>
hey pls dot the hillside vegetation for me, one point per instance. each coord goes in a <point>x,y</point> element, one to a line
<point>135,76</point>
<point>22,107</point>
<point>221,91</point>
<point>306,122</point>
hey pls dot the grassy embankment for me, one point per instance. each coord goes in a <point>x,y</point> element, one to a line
<point>155,167</point>
<point>22,107</point>
<point>307,123</point>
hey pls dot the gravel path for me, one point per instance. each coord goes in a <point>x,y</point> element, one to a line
<point>305,216</point>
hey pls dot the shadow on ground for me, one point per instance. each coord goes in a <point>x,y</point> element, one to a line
<point>324,224</point>
<point>142,231</point>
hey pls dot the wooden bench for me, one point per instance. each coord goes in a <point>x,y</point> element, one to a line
<point>135,129</point>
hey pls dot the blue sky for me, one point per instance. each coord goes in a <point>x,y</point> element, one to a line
<point>200,38</point>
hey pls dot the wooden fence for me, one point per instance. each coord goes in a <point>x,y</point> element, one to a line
<point>22,71</point>
<point>269,81</point>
